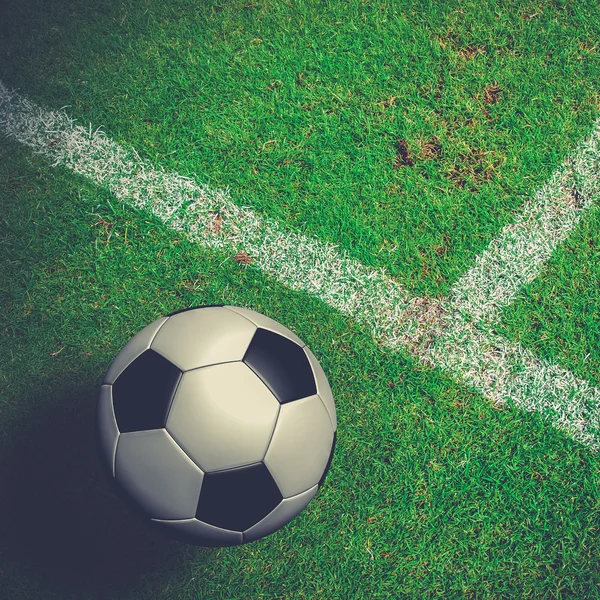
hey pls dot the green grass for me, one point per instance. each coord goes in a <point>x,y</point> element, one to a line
<point>432,492</point>
<point>300,109</point>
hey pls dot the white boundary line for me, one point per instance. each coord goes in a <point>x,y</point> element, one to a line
<point>454,334</point>
<point>516,257</point>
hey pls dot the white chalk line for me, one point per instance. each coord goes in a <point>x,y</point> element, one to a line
<point>518,254</point>
<point>454,334</point>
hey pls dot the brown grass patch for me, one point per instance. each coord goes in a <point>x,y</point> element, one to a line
<point>475,166</point>
<point>216,223</point>
<point>391,101</point>
<point>492,94</point>
<point>403,155</point>
<point>470,52</point>
<point>242,258</point>
<point>430,149</point>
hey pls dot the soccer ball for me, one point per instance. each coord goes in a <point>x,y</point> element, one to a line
<point>216,424</point>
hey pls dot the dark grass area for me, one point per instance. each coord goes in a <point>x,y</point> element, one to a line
<point>63,533</point>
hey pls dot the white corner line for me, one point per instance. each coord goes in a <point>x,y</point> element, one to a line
<point>522,249</point>
<point>451,334</point>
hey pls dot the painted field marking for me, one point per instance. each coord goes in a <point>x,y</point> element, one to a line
<point>455,334</point>
<point>518,254</point>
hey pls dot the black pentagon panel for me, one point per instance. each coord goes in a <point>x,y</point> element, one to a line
<point>281,364</point>
<point>143,392</point>
<point>328,460</point>
<point>236,499</point>
<point>193,308</point>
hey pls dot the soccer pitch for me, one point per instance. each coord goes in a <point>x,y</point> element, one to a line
<point>413,192</point>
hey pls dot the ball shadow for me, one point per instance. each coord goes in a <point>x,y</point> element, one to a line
<point>60,518</point>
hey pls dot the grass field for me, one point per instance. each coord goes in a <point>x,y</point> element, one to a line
<point>409,137</point>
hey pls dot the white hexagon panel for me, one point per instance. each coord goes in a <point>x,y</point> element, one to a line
<point>217,423</point>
